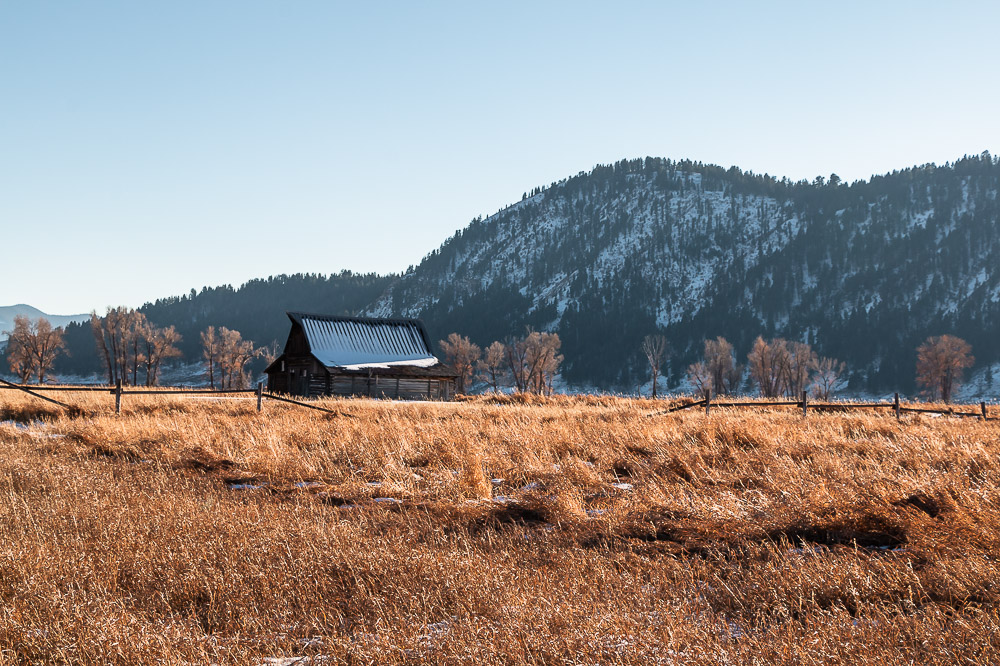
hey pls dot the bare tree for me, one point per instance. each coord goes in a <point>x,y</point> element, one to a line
<point>461,354</point>
<point>720,364</point>
<point>135,334</point>
<point>767,362</point>
<point>734,378</point>
<point>655,347</point>
<point>159,345</point>
<point>514,355</point>
<point>118,335</point>
<point>210,352</point>
<point>19,356</point>
<point>940,362</point>
<point>491,367</point>
<point>271,352</point>
<point>699,377</point>
<point>799,359</point>
<point>48,345</point>
<point>32,347</point>
<point>827,373</point>
<point>542,360</point>
<point>234,354</point>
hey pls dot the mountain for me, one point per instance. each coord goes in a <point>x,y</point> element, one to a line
<point>7,314</point>
<point>863,271</point>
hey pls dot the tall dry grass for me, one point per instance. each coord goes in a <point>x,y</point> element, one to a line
<point>193,530</point>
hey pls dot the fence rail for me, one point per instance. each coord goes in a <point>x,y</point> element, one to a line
<point>707,402</point>
<point>118,391</point>
<point>805,406</point>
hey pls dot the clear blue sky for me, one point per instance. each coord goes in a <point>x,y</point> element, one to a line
<point>148,148</point>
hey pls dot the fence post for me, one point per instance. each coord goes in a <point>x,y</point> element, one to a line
<point>260,396</point>
<point>982,408</point>
<point>895,405</point>
<point>805,404</point>
<point>708,402</point>
<point>118,397</point>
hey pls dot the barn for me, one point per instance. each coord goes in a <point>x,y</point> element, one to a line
<point>359,356</point>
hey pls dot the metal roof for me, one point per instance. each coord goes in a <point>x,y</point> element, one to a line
<point>355,343</point>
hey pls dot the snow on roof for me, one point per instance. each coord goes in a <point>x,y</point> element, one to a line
<point>355,343</point>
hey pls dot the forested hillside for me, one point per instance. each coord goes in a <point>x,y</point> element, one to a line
<point>862,271</point>
<point>256,309</point>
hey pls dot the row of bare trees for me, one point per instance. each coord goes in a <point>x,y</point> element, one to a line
<point>784,367</point>
<point>527,364</point>
<point>129,345</point>
<point>32,347</point>
<point>134,350</point>
<point>778,367</point>
<point>226,355</point>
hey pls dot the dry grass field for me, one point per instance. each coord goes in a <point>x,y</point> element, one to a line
<point>560,531</point>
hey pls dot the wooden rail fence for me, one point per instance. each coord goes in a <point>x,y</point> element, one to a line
<point>805,405</point>
<point>707,402</point>
<point>118,391</point>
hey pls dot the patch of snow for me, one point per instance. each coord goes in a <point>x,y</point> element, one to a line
<point>247,486</point>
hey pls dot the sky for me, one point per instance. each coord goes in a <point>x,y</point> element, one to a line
<point>150,148</point>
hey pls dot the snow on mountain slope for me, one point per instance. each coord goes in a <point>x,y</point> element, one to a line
<point>863,271</point>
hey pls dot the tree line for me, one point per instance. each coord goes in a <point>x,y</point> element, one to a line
<point>780,367</point>
<point>132,349</point>
<point>528,364</point>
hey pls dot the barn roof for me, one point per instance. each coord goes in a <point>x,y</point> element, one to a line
<point>360,343</point>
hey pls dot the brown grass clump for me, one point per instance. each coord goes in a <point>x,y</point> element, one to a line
<point>497,530</point>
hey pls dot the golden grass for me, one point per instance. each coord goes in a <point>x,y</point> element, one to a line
<point>193,530</point>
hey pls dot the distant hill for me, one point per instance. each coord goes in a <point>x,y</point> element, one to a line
<point>8,312</point>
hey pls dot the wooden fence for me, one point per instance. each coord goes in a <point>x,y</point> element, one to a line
<point>898,408</point>
<point>707,402</point>
<point>118,391</point>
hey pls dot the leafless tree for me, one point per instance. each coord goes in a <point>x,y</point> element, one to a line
<point>542,360</point>
<point>271,352</point>
<point>827,373</point>
<point>118,335</point>
<point>721,365</point>
<point>159,344</point>
<point>234,354</point>
<point>461,354</point>
<point>940,362</point>
<point>655,348</point>
<point>210,352</point>
<point>491,366</point>
<point>19,356</point>
<point>699,377</point>
<point>767,362</point>
<point>799,359</point>
<point>32,347</point>
<point>515,350</point>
